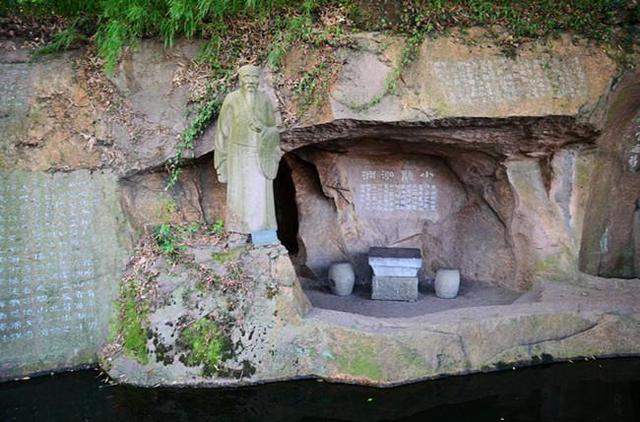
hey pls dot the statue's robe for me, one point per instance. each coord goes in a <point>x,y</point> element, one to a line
<point>237,158</point>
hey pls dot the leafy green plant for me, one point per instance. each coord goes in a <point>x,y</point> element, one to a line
<point>167,240</point>
<point>171,239</point>
<point>192,228</point>
<point>118,23</point>
<point>310,86</point>
<point>228,255</point>
<point>204,115</point>
<point>217,229</point>
<point>292,29</point>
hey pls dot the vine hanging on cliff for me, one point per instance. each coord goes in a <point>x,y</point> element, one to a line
<point>205,114</point>
<point>408,55</point>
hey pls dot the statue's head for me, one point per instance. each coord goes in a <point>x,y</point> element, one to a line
<point>249,78</point>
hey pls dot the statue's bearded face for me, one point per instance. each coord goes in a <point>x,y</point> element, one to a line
<point>249,82</point>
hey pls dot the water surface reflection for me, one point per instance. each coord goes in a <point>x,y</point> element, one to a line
<point>603,390</point>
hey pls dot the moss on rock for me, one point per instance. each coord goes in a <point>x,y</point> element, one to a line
<point>228,255</point>
<point>360,361</point>
<point>130,323</point>
<point>205,345</point>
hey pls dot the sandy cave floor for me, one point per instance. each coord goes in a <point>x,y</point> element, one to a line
<point>472,294</point>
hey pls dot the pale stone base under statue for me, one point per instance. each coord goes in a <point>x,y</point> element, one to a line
<point>264,238</point>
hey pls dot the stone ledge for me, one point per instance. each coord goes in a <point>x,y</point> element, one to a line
<point>565,321</point>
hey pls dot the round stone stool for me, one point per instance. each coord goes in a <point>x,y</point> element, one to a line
<point>341,278</point>
<point>447,283</point>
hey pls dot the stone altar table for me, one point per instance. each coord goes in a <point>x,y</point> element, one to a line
<point>395,273</point>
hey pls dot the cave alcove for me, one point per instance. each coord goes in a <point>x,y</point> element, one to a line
<point>451,191</point>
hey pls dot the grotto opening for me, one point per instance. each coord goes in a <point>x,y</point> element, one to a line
<point>459,191</point>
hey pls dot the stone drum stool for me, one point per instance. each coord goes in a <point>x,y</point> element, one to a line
<point>395,273</point>
<point>447,283</point>
<point>341,278</point>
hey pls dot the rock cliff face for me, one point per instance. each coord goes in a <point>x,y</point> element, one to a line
<point>519,171</point>
<point>509,143</point>
<point>81,158</point>
<point>611,242</point>
<point>453,77</point>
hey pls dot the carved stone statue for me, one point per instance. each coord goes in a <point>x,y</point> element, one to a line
<point>247,153</point>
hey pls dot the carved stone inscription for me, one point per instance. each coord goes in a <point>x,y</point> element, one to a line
<point>504,80</point>
<point>59,260</point>
<point>410,190</point>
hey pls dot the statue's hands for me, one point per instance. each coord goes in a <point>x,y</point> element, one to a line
<point>222,177</point>
<point>255,126</point>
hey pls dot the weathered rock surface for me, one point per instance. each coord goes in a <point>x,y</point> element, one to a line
<point>611,241</point>
<point>63,113</point>
<point>155,105</point>
<point>48,119</point>
<point>132,121</point>
<point>255,294</point>
<point>197,197</point>
<point>454,78</point>
<point>278,336</point>
<point>546,225</point>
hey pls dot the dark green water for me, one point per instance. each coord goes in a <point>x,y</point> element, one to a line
<point>603,390</point>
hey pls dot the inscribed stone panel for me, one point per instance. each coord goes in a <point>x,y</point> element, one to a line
<point>502,80</point>
<point>397,189</point>
<point>61,255</point>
